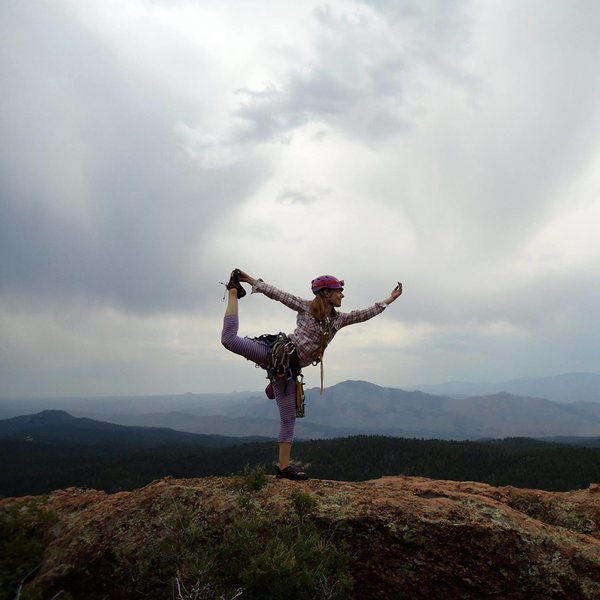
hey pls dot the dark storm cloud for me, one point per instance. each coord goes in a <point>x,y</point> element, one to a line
<point>97,198</point>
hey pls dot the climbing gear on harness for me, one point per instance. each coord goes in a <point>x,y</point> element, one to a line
<point>325,334</point>
<point>234,282</point>
<point>283,364</point>
<point>290,472</point>
<point>284,359</point>
<point>326,282</point>
<point>300,396</point>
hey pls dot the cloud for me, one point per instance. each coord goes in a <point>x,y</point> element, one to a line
<point>99,200</point>
<point>308,194</point>
<point>349,69</point>
<point>149,147</point>
<point>352,77</point>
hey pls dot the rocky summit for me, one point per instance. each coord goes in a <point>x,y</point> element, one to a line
<point>247,537</point>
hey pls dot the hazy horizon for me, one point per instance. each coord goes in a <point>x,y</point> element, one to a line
<point>426,387</point>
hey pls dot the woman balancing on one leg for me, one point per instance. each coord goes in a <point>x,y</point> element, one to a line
<point>283,356</point>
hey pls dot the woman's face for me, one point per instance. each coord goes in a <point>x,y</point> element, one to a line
<point>335,297</point>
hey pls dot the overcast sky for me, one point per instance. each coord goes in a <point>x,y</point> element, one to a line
<point>149,146</point>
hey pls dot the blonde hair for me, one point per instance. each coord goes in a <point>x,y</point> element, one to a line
<point>320,308</point>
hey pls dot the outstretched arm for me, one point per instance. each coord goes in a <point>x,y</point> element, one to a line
<point>258,285</point>
<point>359,316</point>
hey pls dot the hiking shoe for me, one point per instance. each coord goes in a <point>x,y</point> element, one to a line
<point>234,282</point>
<point>290,472</point>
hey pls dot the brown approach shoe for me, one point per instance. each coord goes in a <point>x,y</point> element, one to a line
<point>234,282</point>
<point>290,472</point>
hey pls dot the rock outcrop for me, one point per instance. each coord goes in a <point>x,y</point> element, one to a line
<point>403,537</point>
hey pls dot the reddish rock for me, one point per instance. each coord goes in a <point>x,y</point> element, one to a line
<point>408,537</point>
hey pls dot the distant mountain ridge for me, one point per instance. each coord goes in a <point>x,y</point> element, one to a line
<point>360,407</point>
<point>59,427</point>
<point>566,388</point>
<point>416,414</point>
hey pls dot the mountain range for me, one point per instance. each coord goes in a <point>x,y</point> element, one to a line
<point>567,388</point>
<point>59,427</point>
<point>348,408</point>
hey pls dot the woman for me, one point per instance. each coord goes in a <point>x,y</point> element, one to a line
<point>317,323</point>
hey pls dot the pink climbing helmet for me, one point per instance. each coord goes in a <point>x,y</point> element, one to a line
<point>326,282</point>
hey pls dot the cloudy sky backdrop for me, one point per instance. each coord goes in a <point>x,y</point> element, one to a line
<point>148,147</point>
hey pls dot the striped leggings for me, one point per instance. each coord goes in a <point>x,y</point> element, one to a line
<point>258,353</point>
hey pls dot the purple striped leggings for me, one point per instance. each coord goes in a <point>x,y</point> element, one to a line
<point>258,353</point>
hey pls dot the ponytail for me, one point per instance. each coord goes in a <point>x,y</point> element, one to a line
<point>320,308</point>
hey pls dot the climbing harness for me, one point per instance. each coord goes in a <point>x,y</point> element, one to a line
<point>283,364</point>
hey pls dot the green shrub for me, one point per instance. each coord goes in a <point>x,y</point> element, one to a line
<point>302,502</point>
<point>288,560</point>
<point>257,558</point>
<point>240,552</point>
<point>23,540</point>
<point>253,480</point>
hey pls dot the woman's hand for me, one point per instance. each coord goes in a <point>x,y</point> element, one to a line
<point>245,278</point>
<point>396,293</point>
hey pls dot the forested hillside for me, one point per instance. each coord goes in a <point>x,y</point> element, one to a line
<point>39,468</point>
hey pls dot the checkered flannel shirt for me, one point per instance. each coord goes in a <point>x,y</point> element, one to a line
<point>307,335</point>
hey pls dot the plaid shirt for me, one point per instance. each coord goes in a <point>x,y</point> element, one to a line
<point>307,335</point>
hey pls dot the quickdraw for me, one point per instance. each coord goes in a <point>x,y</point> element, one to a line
<point>283,353</point>
<point>300,396</point>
